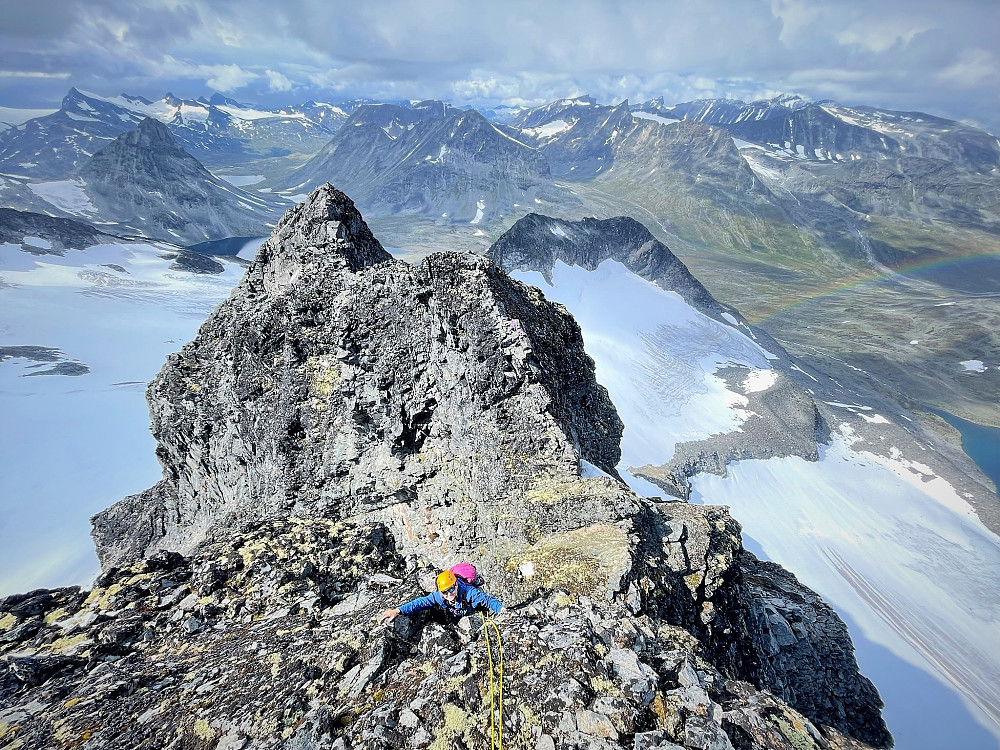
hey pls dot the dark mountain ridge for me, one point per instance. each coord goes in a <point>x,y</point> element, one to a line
<point>147,183</point>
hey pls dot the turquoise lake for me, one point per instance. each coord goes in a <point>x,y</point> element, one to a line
<point>982,444</point>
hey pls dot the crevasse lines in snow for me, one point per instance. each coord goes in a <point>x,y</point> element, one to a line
<point>976,677</point>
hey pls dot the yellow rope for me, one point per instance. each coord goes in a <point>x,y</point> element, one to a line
<point>489,661</point>
<point>496,736</point>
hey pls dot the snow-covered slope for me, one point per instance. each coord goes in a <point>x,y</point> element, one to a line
<point>81,334</point>
<point>892,545</point>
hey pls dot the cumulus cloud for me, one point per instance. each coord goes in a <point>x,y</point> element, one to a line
<point>277,82</point>
<point>228,77</point>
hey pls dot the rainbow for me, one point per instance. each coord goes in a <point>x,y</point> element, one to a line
<point>862,280</point>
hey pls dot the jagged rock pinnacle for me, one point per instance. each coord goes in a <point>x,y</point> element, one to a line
<point>324,231</point>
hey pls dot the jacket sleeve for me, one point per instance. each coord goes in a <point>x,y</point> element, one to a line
<point>418,605</point>
<point>479,598</point>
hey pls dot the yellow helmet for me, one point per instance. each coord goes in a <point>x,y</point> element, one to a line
<point>445,580</point>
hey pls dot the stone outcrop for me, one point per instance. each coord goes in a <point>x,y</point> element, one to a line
<point>783,421</point>
<point>343,425</point>
<point>59,234</point>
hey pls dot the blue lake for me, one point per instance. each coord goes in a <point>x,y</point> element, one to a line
<point>982,444</point>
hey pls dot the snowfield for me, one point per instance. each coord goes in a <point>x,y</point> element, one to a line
<point>67,195</point>
<point>893,547</point>
<point>72,446</point>
<point>656,355</point>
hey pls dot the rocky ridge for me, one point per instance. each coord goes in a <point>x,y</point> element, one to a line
<point>59,234</point>
<point>264,639</point>
<point>536,242</point>
<point>342,424</point>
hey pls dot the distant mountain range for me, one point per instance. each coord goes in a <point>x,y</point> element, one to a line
<point>827,131</point>
<point>215,130</point>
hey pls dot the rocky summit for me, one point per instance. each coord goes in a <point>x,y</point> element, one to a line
<point>341,427</point>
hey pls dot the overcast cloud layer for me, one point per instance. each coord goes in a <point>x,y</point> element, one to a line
<point>927,55</point>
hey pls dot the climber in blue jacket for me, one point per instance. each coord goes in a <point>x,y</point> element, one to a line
<point>453,595</point>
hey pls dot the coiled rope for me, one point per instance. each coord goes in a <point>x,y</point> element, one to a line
<point>496,695</point>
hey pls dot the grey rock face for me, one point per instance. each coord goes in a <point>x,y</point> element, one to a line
<point>439,412</point>
<point>146,182</point>
<point>447,164</point>
<point>788,620</point>
<point>755,618</point>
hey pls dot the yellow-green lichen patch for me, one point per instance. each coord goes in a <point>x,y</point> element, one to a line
<point>551,490</point>
<point>102,598</point>
<point>455,722</point>
<point>70,645</point>
<point>55,615</point>
<point>795,733</point>
<point>140,578</point>
<point>7,622</point>
<point>591,560</point>
<point>604,687</point>
<point>203,730</point>
<point>324,375</point>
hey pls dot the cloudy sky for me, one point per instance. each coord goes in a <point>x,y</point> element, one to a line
<point>943,58</point>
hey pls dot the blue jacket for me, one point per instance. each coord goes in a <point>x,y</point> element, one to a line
<point>469,598</point>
